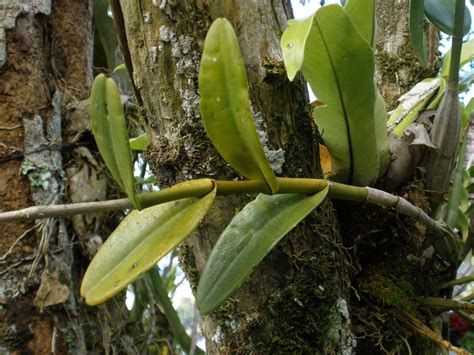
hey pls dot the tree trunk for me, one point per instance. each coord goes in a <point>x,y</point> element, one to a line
<point>46,55</point>
<point>296,299</point>
<point>304,296</point>
<point>328,287</point>
<point>398,68</point>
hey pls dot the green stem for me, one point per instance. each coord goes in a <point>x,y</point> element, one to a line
<point>456,45</point>
<point>199,188</point>
<point>440,234</point>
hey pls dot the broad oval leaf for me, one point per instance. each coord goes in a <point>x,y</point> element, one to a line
<point>293,43</point>
<point>441,14</point>
<point>339,65</point>
<point>251,235</point>
<point>225,105</point>
<point>139,242</point>
<point>417,31</point>
<point>110,133</point>
<point>362,15</point>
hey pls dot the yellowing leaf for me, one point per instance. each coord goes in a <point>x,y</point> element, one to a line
<point>225,105</point>
<point>411,103</point>
<point>325,160</point>
<point>139,242</point>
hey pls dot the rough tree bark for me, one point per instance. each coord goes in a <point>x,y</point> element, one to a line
<point>46,157</point>
<point>296,299</point>
<point>398,68</point>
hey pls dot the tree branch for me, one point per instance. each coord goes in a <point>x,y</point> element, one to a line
<point>36,212</point>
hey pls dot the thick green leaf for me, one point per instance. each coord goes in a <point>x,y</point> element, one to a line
<point>100,126</point>
<point>441,14</point>
<point>383,144</point>
<point>251,235</point>
<point>110,133</point>
<point>462,224</point>
<point>139,143</point>
<point>362,15</point>
<point>139,242</point>
<point>225,105</point>
<point>470,171</point>
<point>470,211</point>
<point>293,44</point>
<point>119,135</point>
<point>339,66</point>
<point>465,120</point>
<point>470,106</point>
<point>120,67</point>
<point>417,30</point>
<point>467,55</point>
<point>456,190</point>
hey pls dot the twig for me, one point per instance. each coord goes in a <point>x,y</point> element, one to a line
<point>36,212</point>
<point>47,227</point>
<point>11,128</point>
<point>24,234</point>
<point>441,235</point>
<point>3,272</point>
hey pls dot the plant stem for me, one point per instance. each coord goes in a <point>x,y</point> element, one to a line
<point>446,125</point>
<point>441,236</point>
<point>201,187</point>
<point>457,42</point>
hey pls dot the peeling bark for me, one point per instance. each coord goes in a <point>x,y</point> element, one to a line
<point>47,71</point>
